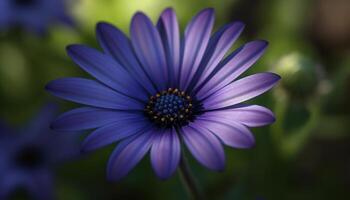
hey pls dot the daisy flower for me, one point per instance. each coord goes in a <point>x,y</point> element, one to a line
<point>159,90</point>
<point>33,15</point>
<point>28,156</point>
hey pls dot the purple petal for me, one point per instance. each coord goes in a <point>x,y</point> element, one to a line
<point>67,20</point>
<point>105,69</point>
<point>42,119</point>
<point>229,69</point>
<point>8,183</point>
<point>35,24</point>
<point>149,49</point>
<point>230,133</point>
<point>128,153</point>
<point>218,46</point>
<point>241,90</point>
<point>169,31</point>
<point>165,153</point>
<point>116,44</point>
<point>88,118</point>
<point>249,115</point>
<point>61,148</point>
<point>40,185</point>
<point>91,93</point>
<point>6,15</point>
<point>204,146</point>
<point>114,132</point>
<point>196,39</point>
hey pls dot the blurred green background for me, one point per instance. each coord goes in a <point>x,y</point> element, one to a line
<point>304,155</point>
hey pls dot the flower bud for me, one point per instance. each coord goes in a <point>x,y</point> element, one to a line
<point>299,75</point>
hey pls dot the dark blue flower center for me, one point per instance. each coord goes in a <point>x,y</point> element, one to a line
<point>30,157</point>
<point>170,107</point>
<point>170,104</point>
<point>24,3</point>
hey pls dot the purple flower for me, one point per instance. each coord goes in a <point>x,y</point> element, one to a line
<point>28,156</point>
<point>159,89</point>
<point>32,15</point>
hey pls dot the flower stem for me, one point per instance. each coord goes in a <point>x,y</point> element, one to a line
<point>188,180</point>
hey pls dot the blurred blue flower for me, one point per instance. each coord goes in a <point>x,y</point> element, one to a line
<point>33,15</point>
<point>27,156</point>
<point>156,90</point>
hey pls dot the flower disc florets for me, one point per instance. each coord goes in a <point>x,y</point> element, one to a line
<point>24,3</point>
<point>171,107</point>
<point>30,157</point>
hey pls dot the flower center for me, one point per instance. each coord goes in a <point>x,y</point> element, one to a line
<point>24,3</point>
<point>29,157</point>
<point>171,107</point>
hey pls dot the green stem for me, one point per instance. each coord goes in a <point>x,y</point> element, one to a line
<point>189,181</point>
